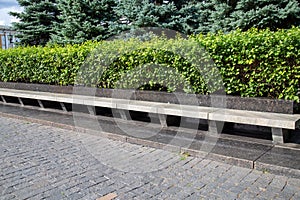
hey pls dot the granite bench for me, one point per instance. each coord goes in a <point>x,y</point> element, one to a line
<point>280,124</point>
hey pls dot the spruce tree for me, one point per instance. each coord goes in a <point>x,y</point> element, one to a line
<point>36,21</point>
<point>84,20</point>
<point>262,14</point>
<point>145,13</point>
<point>205,16</point>
<point>194,17</point>
<point>226,15</point>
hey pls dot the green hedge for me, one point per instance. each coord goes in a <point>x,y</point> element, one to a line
<point>158,64</point>
<point>253,63</point>
<point>257,63</point>
<point>50,65</point>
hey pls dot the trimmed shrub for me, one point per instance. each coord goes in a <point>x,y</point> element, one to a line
<point>55,64</point>
<point>157,64</point>
<point>256,63</point>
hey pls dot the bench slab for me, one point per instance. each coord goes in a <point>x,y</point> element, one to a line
<point>215,116</point>
<point>275,120</point>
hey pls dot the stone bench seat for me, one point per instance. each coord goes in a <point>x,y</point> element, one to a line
<point>275,120</point>
<point>280,124</point>
<point>124,104</point>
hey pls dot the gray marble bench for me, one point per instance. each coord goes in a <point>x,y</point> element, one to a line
<point>279,123</point>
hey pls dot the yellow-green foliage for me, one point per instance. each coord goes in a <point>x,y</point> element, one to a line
<point>257,63</point>
<point>157,64</point>
<point>253,63</point>
<point>51,65</point>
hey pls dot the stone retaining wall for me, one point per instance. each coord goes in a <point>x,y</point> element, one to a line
<point>231,102</point>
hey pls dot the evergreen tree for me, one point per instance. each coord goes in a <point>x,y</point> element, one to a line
<point>226,15</point>
<point>205,16</point>
<point>75,21</point>
<point>36,21</point>
<point>146,13</point>
<point>262,14</point>
<point>84,20</point>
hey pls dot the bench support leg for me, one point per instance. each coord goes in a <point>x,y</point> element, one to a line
<point>279,135</point>
<point>91,110</point>
<point>62,105</point>
<point>20,101</point>
<point>215,127</point>
<point>40,103</point>
<point>3,99</point>
<point>124,114</point>
<point>162,120</point>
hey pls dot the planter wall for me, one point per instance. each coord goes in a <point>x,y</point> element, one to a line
<point>231,102</point>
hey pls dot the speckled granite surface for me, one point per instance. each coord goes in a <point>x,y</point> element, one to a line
<point>231,102</point>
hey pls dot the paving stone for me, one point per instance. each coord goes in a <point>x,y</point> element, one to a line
<point>8,197</point>
<point>296,196</point>
<point>284,195</point>
<point>247,195</point>
<point>143,196</point>
<point>43,162</point>
<point>224,193</point>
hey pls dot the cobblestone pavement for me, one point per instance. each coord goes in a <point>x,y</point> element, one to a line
<point>40,162</point>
